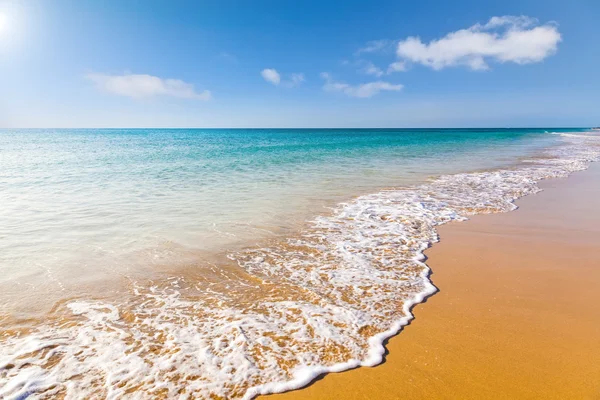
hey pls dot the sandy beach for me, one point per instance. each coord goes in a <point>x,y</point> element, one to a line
<point>517,315</point>
<point>302,200</point>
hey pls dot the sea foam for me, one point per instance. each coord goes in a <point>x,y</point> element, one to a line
<point>322,301</point>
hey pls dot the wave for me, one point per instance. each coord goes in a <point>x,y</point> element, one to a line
<point>322,301</point>
<point>573,135</point>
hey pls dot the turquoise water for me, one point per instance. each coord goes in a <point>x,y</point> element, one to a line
<point>229,263</point>
<point>86,204</point>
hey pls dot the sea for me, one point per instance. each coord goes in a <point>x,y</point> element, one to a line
<point>229,263</point>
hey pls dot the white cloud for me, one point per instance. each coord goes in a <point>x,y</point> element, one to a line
<point>141,86</point>
<point>271,75</point>
<point>504,39</point>
<point>398,66</point>
<point>364,90</point>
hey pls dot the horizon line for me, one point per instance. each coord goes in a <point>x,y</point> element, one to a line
<point>317,127</point>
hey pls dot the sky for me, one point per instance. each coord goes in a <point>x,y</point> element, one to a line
<point>151,63</point>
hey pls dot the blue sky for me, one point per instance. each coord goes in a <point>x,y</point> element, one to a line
<point>84,63</point>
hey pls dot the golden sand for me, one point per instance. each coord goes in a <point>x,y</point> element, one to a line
<point>517,315</point>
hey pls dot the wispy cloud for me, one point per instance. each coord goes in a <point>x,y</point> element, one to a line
<point>517,39</point>
<point>296,79</point>
<point>364,90</point>
<point>369,68</point>
<point>272,76</point>
<point>398,66</point>
<point>375,46</point>
<point>228,56</point>
<point>372,69</point>
<point>144,86</point>
<point>520,21</point>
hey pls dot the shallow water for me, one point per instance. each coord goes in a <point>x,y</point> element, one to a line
<point>297,295</point>
<point>91,204</point>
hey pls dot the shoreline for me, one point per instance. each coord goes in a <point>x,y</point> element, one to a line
<point>443,260</point>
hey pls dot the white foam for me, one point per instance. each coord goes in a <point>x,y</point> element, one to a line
<point>322,302</point>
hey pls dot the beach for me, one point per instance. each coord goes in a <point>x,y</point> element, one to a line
<point>296,200</point>
<point>277,302</point>
<point>517,315</point>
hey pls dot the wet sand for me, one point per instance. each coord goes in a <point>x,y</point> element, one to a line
<point>517,315</point>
